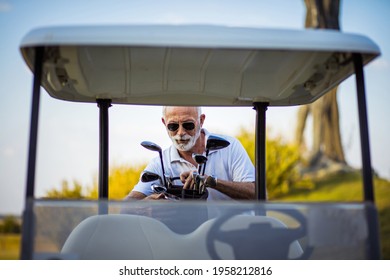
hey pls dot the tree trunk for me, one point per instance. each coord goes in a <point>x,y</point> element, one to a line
<point>322,14</point>
<point>333,148</point>
<point>326,130</point>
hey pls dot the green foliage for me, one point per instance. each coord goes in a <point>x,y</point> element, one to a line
<point>66,192</point>
<point>122,178</point>
<point>282,160</point>
<point>10,225</point>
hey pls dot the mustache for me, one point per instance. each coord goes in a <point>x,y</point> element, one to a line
<point>182,137</point>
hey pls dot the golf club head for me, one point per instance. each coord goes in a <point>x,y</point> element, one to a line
<point>158,188</point>
<point>156,148</point>
<point>151,146</point>
<point>148,176</point>
<point>199,158</point>
<point>216,143</point>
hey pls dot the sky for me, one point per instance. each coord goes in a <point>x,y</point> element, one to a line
<point>68,132</point>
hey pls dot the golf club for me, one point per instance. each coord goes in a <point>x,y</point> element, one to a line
<point>214,143</point>
<point>148,176</point>
<point>199,159</point>
<point>158,189</point>
<point>171,180</point>
<point>196,179</point>
<point>163,190</point>
<point>154,147</point>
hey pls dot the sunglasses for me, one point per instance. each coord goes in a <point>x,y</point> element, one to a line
<point>186,125</point>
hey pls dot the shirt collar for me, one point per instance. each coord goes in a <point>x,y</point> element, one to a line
<point>175,156</point>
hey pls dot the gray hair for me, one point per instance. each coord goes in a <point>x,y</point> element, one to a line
<point>164,109</point>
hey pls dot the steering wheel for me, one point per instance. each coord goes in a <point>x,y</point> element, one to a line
<point>267,238</point>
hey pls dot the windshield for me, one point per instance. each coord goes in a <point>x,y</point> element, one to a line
<point>199,230</point>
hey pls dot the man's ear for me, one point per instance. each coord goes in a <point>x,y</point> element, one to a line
<point>201,119</point>
<point>163,121</point>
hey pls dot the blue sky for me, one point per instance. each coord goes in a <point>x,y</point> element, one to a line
<point>68,132</point>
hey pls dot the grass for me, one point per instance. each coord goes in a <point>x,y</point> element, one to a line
<point>349,187</point>
<point>9,246</point>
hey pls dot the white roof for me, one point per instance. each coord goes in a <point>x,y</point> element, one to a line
<point>194,64</point>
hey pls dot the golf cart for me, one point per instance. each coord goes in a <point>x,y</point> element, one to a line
<point>195,66</point>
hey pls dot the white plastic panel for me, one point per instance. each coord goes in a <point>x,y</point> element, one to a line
<point>203,230</point>
<point>195,65</point>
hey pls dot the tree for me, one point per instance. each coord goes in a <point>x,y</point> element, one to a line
<point>10,225</point>
<point>122,179</point>
<point>282,164</point>
<point>66,192</point>
<point>327,147</point>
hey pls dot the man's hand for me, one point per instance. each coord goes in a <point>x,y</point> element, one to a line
<point>236,190</point>
<point>187,179</point>
<point>192,180</point>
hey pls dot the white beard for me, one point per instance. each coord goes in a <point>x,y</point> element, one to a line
<point>188,146</point>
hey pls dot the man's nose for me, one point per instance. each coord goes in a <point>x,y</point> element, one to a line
<point>181,130</point>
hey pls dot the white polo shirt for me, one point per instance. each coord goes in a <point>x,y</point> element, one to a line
<point>231,164</point>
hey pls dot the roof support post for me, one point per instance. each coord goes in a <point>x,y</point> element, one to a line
<point>374,250</point>
<point>260,150</point>
<point>103,105</point>
<point>363,124</point>
<point>32,152</point>
<point>28,214</point>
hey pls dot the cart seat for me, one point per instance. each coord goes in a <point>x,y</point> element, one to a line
<point>119,236</point>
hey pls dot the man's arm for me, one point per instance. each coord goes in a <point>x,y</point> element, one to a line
<point>236,190</point>
<point>134,195</point>
<point>242,185</point>
<point>143,190</point>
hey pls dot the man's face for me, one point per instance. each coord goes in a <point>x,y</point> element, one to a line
<point>183,126</point>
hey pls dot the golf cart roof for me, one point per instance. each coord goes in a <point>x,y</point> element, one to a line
<point>193,64</point>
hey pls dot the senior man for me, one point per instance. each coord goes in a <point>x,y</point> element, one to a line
<point>229,172</point>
